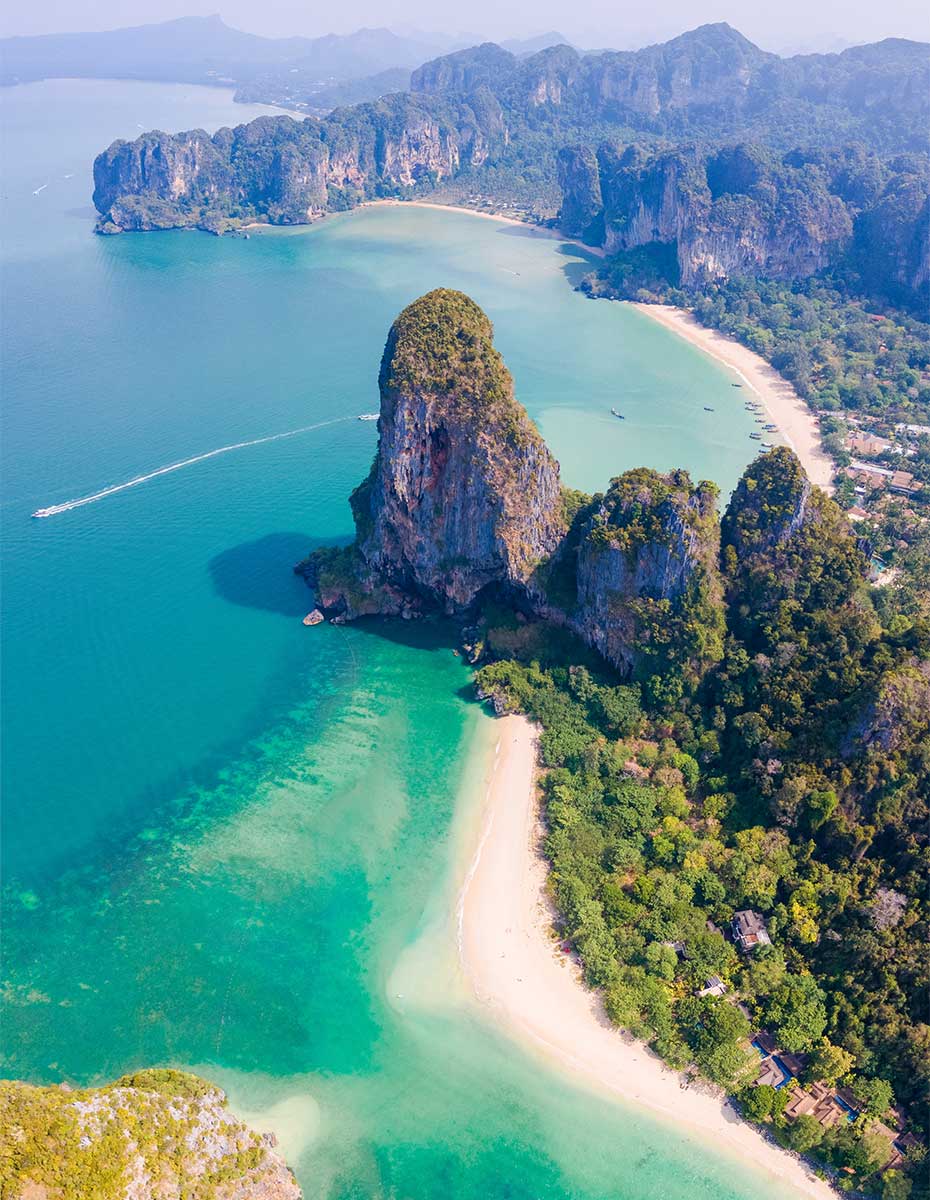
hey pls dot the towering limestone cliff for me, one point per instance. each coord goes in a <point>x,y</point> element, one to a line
<point>152,1134</point>
<point>290,172</point>
<point>463,493</point>
<point>709,214</point>
<point>735,211</point>
<point>463,502</point>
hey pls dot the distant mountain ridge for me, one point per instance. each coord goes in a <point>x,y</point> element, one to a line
<point>706,82</point>
<point>709,81</point>
<point>205,50</point>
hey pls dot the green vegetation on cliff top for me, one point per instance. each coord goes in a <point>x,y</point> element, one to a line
<point>442,345</point>
<point>162,1131</point>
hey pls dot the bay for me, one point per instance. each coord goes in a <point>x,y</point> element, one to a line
<point>230,842</point>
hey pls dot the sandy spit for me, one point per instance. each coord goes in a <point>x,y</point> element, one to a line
<point>786,409</point>
<point>526,984</point>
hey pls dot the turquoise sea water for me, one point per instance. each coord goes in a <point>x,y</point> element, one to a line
<point>230,842</point>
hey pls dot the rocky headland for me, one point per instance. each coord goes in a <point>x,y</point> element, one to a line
<point>463,505</point>
<point>156,1133</point>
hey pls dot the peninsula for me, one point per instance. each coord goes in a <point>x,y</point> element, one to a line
<point>722,708</point>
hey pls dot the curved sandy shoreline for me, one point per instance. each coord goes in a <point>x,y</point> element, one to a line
<point>519,976</point>
<point>796,423</point>
<point>544,231</point>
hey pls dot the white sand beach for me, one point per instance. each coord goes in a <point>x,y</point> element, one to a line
<point>795,421</point>
<point>522,979</point>
<point>501,218</point>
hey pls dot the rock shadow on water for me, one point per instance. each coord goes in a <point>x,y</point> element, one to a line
<point>260,574</point>
<point>579,262</point>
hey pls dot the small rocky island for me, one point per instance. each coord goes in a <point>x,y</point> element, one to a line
<point>463,504</point>
<point>156,1133</point>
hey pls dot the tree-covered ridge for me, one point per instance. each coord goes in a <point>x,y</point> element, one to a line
<point>152,1133</point>
<point>791,781</point>
<point>648,585</point>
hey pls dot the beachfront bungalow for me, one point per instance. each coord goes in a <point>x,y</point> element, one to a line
<point>749,930</point>
<point>817,1101</point>
<point>777,1068</point>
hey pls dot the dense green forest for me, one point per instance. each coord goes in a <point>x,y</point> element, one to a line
<point>792,779</point>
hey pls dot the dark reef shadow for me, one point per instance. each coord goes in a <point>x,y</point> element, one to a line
<point>260,574</point>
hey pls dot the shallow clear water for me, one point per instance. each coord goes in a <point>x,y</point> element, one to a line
<point>231,842</point>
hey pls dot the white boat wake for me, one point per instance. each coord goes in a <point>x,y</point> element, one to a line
<point>54,509</point>
<point>40,189</point>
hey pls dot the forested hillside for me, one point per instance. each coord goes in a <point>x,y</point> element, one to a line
<point>791,780</point>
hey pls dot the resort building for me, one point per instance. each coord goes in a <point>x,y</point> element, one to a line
<point>868,444</point>
<point>820,1102</point>
<point>749,930</point>
<point>713,987</point>
<point>874,477</point>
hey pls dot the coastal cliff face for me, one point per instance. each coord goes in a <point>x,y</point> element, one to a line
<point>735,211</point>
<point>502,121</point>
<point>648,583</point>
<point>154,1133</point>
<point>463,493</point>
<point>286,171</point>
<point>582,213</point>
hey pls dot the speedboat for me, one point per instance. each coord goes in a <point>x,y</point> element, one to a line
<point>619,416</point>
<point>368,416</point>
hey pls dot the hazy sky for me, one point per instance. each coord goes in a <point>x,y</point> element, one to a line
<point>774,24</point>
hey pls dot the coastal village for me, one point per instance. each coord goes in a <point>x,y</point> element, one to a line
<point>791,1075</point>
<point>878,476</point>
